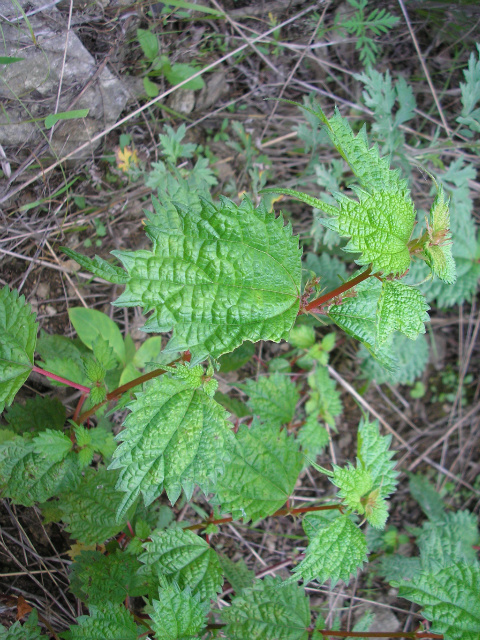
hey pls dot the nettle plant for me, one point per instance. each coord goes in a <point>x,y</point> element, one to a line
<point>222,276</point>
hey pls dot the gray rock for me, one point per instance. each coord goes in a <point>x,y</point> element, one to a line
<point>30,87</point>
<point>215,87</point>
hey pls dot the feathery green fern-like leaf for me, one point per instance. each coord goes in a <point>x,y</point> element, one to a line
<point>176,436</point>
<point>262,473</point>
<point>411,359</point>
<point>270,610</point>
<point>181,556</point>
<point>336,551</point>
<point>217,277</point>
<point>18,337</point>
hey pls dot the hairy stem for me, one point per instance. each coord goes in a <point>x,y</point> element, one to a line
<point>338,291</point>
<point>126,387</point>
<point>280,512</point>
<point>54,376</point>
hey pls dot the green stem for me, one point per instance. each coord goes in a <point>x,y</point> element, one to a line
<point>126,387</point>
<point>338,291</point>
<point>280,512</point>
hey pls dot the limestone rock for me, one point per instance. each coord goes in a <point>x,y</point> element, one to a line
<point>30,87</point>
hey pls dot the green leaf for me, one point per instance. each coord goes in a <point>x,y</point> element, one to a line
<point>449,599</point>
<point>90,510</point>
<point>354,483</point>
<point>180,72</point>
<point>28,477</point>
<point>148,352</point>
<point>10,59</point>
<point>357,316</point>
<point>149,43</point>
<point>151,88</point>
<point>374,455</point>
<point>36,414</point>
<point>395,567</point>
<point>237,574</point>
<point>218,277</point>
<point>182,4</point>
<point>471,93</point>
<point>400,308</point>
<point>175,437</point>
<point>262,473</point>
<point>335,552</point>
<point>372,171</point>
<point>53,444</point>
<point>237,358</point>
<point>177,614</point>
<point>185,558</point>
<point>331,270</point>
<point>438,251</point>
<point>28,631</point>
<point>411,358</point>
<point>232,405</point>
<point>273,398</point>
<point>18,336</point>
<point>452,540</point>
<point>52,119</point>
<point>379,226</point>
<point>91,324</point>
<point>173,149</point>
<point>429,500</point>
<point>312,437</point>
<point>270,610</point>
<point>302,336</point>
<point>98,579</point>
<point>98,266</point>
<point>324,401</point>
<point>107,621</point>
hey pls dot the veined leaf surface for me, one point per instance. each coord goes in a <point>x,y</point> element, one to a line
<point>262,473</point>
<point>18,337</point>
<point>217,277</point>
<point>176,436</point>
<point>270,610</point>
<point>185,558</point>
<point>449,599</point>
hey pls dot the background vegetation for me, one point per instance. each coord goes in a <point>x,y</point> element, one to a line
<point>198,121</point>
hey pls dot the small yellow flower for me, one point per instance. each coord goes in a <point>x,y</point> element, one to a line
<point>126,158</point>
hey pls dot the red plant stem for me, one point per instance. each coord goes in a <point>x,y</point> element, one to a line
<point>54,376</point>
<point>126,387</point>
<point>79,406</point>
<point>361,634</point>
<point>339,290</point>
<point>379,634</point>
<point>280,512</point>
